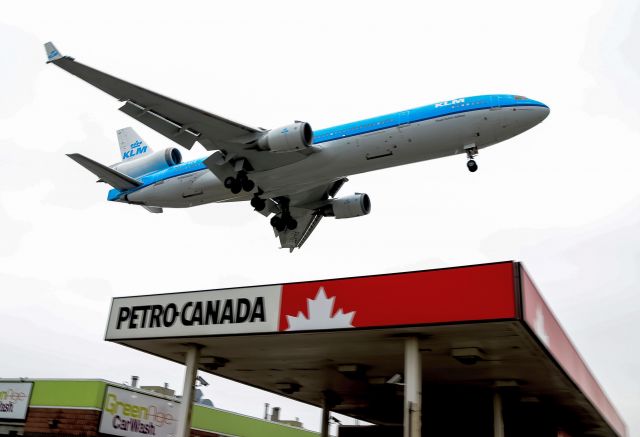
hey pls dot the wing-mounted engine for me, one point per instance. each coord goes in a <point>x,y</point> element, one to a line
<point>355,205</point>
<point>154,162</point>
<point>294,137</point>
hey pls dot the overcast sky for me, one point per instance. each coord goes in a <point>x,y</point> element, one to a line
<point>563,198</point>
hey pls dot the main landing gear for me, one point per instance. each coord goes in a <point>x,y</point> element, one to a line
<point>283,220</point>
<point>472,151</point>
<point>239,183</point>
<point>257,203</point>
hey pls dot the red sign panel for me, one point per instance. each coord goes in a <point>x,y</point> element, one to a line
<point>546,327</point>
<point>474,293</point>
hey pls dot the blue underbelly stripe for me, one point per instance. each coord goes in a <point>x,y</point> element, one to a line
<point>149,180</point>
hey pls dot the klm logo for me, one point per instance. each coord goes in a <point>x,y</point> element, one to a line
<point>134,150</point>
<point>449,103</point>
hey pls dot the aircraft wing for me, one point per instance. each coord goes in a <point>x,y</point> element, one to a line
<point>175,120</point>
<point>305,209</point>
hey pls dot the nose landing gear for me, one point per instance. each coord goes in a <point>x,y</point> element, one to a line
<point>472,151</point>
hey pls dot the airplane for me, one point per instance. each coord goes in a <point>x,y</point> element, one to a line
<point>291,173</point>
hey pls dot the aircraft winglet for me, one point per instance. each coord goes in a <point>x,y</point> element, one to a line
<point>52,52</point>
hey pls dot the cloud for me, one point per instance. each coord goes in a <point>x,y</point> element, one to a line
<point>92,289</point>
<point>630,46</point>
<point>11,231</point>
<point>611,56</point>
<point>70,185</point>
<point>20,66</point>
<point>225,215</point>
<point>56,321</point>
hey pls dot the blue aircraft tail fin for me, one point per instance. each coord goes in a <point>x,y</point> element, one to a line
<point>132,146</point>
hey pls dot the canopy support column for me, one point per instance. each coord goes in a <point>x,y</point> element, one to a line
<point>412,388</point>
<point>191,361</point>
<point>329,401</point>
<point>324,430</point>
<point>498,421</point>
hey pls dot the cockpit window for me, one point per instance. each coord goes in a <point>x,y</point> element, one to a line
<point>520,98</point>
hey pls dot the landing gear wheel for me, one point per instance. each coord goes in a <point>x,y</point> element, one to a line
<point>291,224</point>
<point>228,182</point>
<point>472,166</point>
<point>236,187</point>
<point>258,204</point>
<point>248,185</point>
<point>278,223</point>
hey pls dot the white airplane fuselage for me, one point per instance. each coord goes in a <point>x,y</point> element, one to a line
<point>434,131</point>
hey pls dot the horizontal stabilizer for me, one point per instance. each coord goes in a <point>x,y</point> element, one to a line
<point>112,177</point>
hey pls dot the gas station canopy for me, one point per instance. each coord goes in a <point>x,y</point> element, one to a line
<point>479,328</point>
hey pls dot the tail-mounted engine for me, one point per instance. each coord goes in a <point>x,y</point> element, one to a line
<point>153,162</point>
<point>296,136</point>
<point>355,205</point>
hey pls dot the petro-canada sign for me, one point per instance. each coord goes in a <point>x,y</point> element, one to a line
<point>201,313</point>
<point>437,296</point>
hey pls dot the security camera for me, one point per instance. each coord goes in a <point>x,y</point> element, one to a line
<point>202,381</point>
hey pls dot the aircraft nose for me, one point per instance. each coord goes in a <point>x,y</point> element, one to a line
<point>542,111</point>
<point>536,114</point>
<point>522,115</point>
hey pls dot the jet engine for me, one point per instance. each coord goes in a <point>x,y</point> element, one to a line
<point>153,162</point>
<point>354,205</point>
<point>291,138</point>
